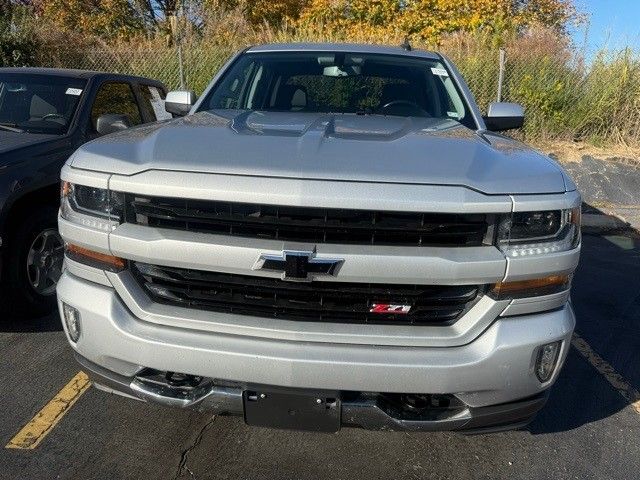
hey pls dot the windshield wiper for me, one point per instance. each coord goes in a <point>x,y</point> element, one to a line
<point>11,127</point>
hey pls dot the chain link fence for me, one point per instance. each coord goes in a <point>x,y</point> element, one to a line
<point>199,63</point>
<point>563,99</point>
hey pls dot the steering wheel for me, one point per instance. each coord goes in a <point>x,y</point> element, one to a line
<point>53,115</point>
<point>406,103</point>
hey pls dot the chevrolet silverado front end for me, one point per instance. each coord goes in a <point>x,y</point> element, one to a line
<point>331,237</point>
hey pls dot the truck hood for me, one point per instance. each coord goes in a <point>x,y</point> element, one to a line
<point>10,141</point>
<point>366,148</point>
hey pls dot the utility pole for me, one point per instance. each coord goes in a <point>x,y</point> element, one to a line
<point>174,21</point>
<point>502,60</point>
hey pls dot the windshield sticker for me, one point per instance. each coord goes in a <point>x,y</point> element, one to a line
<point>73,91</point>
<point>441,72</point>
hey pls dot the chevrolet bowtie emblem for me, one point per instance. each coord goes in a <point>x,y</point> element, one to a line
<point>298,266</point>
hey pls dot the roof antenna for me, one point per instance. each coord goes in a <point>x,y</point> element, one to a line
<point>406,45</point>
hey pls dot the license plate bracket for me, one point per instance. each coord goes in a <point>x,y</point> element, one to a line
<point>294,411</point>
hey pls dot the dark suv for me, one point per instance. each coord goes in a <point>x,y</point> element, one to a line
<point>46,114</point>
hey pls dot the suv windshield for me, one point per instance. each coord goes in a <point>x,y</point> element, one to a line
<point>38,103</point>
<point>340,83</point>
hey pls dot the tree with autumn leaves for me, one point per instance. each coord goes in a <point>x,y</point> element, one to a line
<point>428,20</point>
<point>424,20</point>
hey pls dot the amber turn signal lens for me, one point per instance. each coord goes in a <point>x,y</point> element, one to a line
<point>575,216</point>
<point>65,188</point>
<point>531,288</point>
<point>94,259</point>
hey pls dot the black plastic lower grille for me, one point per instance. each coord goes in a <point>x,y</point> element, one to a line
<point>304,301</point>
<point>306,224</point>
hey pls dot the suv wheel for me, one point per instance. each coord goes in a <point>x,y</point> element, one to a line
<point>34,264</point>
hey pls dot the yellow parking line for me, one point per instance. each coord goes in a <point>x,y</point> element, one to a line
<point>616,380</point>
<point>34,432</point>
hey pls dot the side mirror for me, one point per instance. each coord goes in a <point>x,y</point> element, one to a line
<point>112,122</point>
<point>179,102</point>
<point>504,116</point>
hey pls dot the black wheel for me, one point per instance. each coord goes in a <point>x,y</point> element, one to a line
<point>34,263</point>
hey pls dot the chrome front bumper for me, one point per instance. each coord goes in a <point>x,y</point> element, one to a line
<point>497,367</point>
<point>363,410</point>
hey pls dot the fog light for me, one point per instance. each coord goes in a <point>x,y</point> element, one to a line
<point>72,321</point>
<point>546,360</point>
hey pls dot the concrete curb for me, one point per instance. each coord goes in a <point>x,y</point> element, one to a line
<point>602,223</point>
<point>610,192</point>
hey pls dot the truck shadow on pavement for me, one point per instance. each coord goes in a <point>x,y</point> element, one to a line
<point>606,300</point>
<point>49,323</point>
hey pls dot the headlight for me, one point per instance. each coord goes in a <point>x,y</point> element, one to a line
<point>525,234</point>
<point>91,207</point>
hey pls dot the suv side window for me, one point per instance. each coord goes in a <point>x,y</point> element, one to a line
<point>153,102</point>
<point>116,98</point>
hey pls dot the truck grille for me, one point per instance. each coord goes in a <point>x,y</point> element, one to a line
<point>313,301</point>
<point>303,224</point>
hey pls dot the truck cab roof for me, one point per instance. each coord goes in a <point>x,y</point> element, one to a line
<point>342,47</point>
<point>75,73</point>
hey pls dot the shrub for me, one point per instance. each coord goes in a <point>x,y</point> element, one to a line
<point>17,45</point>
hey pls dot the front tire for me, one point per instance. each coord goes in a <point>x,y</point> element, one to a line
<point>34,264</point>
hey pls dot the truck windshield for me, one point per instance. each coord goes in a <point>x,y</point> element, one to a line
<point>38,103</point>
<point>340,83</point>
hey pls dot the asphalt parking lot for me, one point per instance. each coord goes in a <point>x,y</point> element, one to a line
<point>589,429</point>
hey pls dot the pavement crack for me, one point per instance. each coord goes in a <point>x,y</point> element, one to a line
<point>182,466</point>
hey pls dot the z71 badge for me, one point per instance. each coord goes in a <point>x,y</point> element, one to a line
<point>388,308</point>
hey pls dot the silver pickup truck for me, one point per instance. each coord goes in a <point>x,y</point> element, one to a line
<point>332,235</point>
